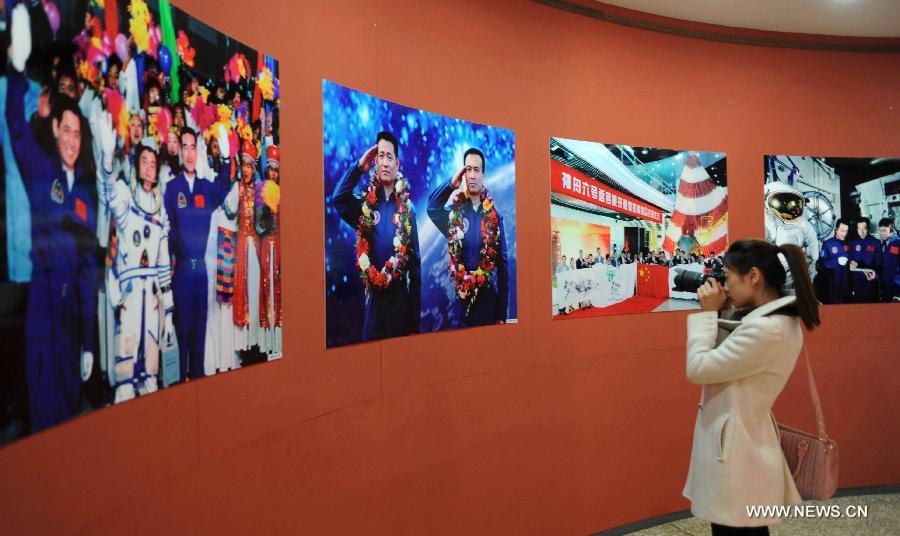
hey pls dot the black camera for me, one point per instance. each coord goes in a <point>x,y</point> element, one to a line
<point>690,281</point>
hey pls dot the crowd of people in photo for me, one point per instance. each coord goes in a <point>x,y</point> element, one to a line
<point>644,256</point>
<point>616,258</point>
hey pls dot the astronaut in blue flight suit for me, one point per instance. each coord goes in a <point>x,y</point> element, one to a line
<point>890,255</point>
<point>865,252</point>
<point>190,202</point>
<point>491,303</point>
<point>61,312</point>
<point>835,258</point>
<point>395,310</point>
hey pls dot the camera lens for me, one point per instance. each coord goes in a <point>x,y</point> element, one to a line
<point>688,281</point>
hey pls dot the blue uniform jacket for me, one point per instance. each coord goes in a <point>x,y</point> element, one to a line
<point>189,216</point>
<point>866,252</point>
<point>830,255</point>
<point>63,220</point>
<point>490,306</point>
<point>61,313</point>
<point>396,310</point>
<point>890,268</point>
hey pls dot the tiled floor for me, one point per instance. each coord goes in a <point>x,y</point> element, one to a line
<point>883,519</point>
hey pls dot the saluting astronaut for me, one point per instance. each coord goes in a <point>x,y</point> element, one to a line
<point>139,284</point>
<point>787,223</point>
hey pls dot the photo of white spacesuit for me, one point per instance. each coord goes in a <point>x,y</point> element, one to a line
<point>787,221</point>
<point>139,284</point>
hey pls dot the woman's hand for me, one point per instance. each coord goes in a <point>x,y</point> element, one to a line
<point>712,296</point>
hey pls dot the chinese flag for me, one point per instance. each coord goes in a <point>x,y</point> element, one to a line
<point>660,276</point>
<point>653,280</point>
<point>644,281</point>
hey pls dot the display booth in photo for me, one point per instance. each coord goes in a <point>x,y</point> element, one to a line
<point>141,169</point>
<point>633,229</point>
<point>844,213</point>
<point>420,220</point>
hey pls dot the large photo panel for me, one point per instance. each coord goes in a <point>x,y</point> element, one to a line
<point>633,229</point>
<point>141,192</point>
<point>420,220</point>
<point>844,213</point>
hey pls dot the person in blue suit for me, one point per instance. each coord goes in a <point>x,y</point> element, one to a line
<point>394,310</point>
<point>890,254</point>
<point>18,214</point>
<point>190,202</point>
<point>834,259</point>
<point>61,311</point>
<point>865,253</point>
<point>491,302</point>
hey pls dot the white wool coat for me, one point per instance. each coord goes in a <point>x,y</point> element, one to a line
<point>736,458</point>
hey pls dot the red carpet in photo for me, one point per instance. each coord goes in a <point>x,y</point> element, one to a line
<point>635,304</point>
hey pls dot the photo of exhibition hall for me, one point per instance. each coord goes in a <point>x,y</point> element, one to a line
<point>525,267</point>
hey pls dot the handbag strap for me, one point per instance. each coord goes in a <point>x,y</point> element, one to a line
<point>802,449</point>
<point>817,404</point>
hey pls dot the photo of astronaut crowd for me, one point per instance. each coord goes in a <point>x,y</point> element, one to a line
<point>844,213</point>
<point>420,220</point>
<point>140,202</point>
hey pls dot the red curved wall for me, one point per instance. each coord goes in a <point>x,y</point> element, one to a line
<point>537,428</point>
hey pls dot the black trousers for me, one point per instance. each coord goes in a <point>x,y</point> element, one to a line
<point>724,530</point>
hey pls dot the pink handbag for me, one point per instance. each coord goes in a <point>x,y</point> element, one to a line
<point>812,459</point>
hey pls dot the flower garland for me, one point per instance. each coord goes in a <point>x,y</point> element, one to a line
<point>395,266</point>
<point>468,282</point>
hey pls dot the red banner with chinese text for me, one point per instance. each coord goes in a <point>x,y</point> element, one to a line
<point>575,184</point>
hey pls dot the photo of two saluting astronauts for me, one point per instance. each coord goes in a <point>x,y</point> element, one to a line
<point>844,212</point>
<point>140,202</point>
<point>420,220</point>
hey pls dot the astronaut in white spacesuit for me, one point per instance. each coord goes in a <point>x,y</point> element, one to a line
<point>139,284</point>
<point>787,221</point>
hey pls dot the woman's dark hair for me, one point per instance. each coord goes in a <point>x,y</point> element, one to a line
<point>745,254</point>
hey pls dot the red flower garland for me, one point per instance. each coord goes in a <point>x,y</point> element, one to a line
<point>395,266</point>
<point>468,282</point>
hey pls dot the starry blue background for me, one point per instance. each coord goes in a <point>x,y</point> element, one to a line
<point>431,152</point>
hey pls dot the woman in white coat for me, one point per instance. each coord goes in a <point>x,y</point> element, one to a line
<point>743,360</point>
